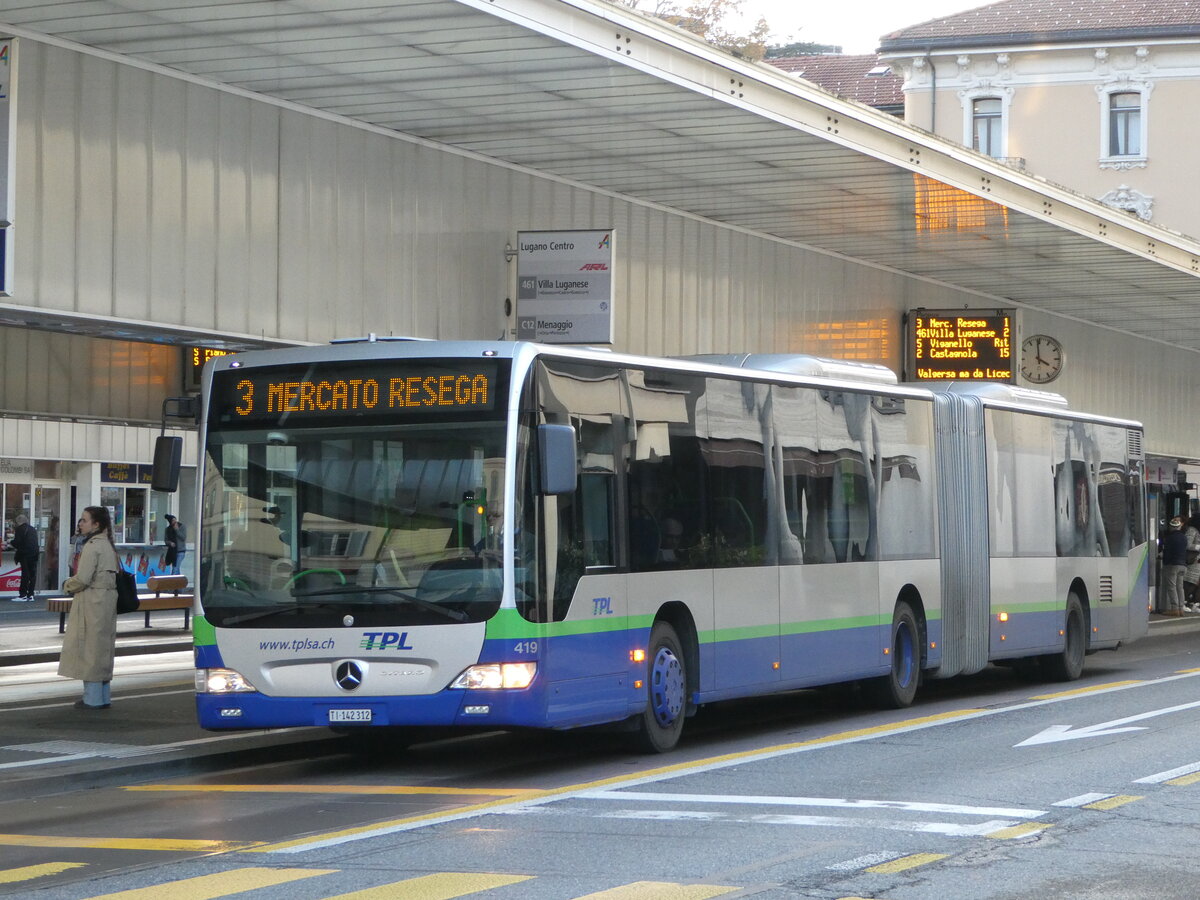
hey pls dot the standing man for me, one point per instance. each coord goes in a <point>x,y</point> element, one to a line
<point>1174,565</point>
<point>25,546</point>
<point>176,540</point>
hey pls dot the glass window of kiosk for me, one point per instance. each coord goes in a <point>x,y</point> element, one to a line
<point>130,513</point>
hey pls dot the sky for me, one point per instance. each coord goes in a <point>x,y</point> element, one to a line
<point>855,24</point>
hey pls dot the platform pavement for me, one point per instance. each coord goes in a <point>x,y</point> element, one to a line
<point>150,732</point>
<point>29,633</point>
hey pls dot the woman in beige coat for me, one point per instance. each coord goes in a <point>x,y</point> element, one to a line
<point>91,639</point>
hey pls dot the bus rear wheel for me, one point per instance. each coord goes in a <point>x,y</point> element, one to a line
<point>898,688</point>
<point>661,723</point>
<point>1068,665</point>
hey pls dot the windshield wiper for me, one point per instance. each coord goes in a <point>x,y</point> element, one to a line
<point>456,615</point>
<point>280,610</point>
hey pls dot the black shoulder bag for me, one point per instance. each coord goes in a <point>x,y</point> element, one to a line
<point>127,597</point>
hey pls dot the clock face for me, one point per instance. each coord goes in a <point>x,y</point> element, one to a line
<point>1041,359</point>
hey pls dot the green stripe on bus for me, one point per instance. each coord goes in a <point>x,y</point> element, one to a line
<point>203,633</point>
<point>508,624</point>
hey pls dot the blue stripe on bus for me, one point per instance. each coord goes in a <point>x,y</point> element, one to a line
<point>563,696</point>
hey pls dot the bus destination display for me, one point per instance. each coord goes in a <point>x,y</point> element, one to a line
<point>379,389</point>
<point>960,345</point>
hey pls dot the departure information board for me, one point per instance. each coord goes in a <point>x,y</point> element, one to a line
<point>194,360</point>
<point>960,345</point>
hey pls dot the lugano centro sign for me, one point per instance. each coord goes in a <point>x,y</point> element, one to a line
<point>564,286</point>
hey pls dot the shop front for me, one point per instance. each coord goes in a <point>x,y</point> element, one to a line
<point>34,489</point>
<point>52,494</point>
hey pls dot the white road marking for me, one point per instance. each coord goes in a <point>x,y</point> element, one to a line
<point>61,703</point>
<point>740,759</point>
<point>1083,799</point>
<point>1069,733</point>
<point>861,862</point>
<point>1169,774</point>
<point>949,829</point>
<point>108,750</point>
<point>829,802</point>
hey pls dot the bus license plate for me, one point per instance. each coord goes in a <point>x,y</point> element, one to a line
<point>349,715</point>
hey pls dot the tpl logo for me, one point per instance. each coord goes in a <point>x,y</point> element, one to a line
<point>594,267</point>
<point>382,640</point>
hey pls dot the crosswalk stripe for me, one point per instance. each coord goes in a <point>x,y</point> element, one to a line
<point>442,886</point>
<point>661,890</point>
<point>906,862</point>
<point>222,884</point>
<point>1112,802</point>
<point>1082,800</point>
<point>1019,831</point>
<point>93,843</point>
<point>28,873</point>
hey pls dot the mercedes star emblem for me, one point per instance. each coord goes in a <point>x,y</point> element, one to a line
<point>349,676</point>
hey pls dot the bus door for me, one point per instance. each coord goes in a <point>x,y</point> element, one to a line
<point>583,594</point>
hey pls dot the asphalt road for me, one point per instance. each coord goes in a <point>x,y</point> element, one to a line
<point>989,787</point>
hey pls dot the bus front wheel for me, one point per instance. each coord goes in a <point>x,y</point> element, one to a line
<point>898,688</point>
<point>1068,665</point>
<point>666,691</point>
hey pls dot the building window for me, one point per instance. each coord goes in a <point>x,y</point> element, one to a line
<point>986,115</point>
<point>1124,112</point>
<point>1125,124</point>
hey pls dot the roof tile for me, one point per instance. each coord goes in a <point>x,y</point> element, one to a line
<point>1018,21</point>
<point>847,76</point>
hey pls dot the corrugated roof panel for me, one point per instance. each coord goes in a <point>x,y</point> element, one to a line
<point>596,94</point>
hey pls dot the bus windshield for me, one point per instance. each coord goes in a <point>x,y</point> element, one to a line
<point>382,525</point>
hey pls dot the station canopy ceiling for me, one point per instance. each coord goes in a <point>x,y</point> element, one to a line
<point>605,97</point>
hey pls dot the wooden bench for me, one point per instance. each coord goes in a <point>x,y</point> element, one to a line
<point>166,592</point>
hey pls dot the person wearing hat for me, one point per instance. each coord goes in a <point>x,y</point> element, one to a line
<point>176,540</point>
<point>1174,565</point>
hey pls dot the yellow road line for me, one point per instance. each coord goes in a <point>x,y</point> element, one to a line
<point>1019,831</point>
<point>1184,780</point>
<point>1186,671</point>
<point>657,772</point>
<point>1111,802</point>
<point>366,789</point>
<point>442,886</point>
<point>28,873</point>
<point>222,884</point>
<point>1085,690</point>
<point>906,862</point>
<point>93,843</point>
<point>661,890</point>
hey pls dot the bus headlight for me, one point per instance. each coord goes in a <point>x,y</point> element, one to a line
<point>222,681</point>
<point>494,676</point>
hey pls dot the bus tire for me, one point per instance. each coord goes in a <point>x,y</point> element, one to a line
<point>898,688</point>
<point>1068,665</point>
<point>661,722</point>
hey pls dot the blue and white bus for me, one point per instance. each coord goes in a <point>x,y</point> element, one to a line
<point>414,533</point>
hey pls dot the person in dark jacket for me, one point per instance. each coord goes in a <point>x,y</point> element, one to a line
<point>25,546</point>
<point>1174,565</point>
<point>176,541</point>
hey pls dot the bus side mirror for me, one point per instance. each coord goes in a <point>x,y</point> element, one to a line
<point>168,455</point>
<point>557,446</point>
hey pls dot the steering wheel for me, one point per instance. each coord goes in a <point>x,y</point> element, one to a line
<point>306,572</point>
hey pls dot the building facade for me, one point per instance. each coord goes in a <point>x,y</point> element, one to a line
<point>1098,95</point>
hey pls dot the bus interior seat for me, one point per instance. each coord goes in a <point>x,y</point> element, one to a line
<point>476,574</point>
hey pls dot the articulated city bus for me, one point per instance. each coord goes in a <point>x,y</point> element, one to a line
<point>412,533</point>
